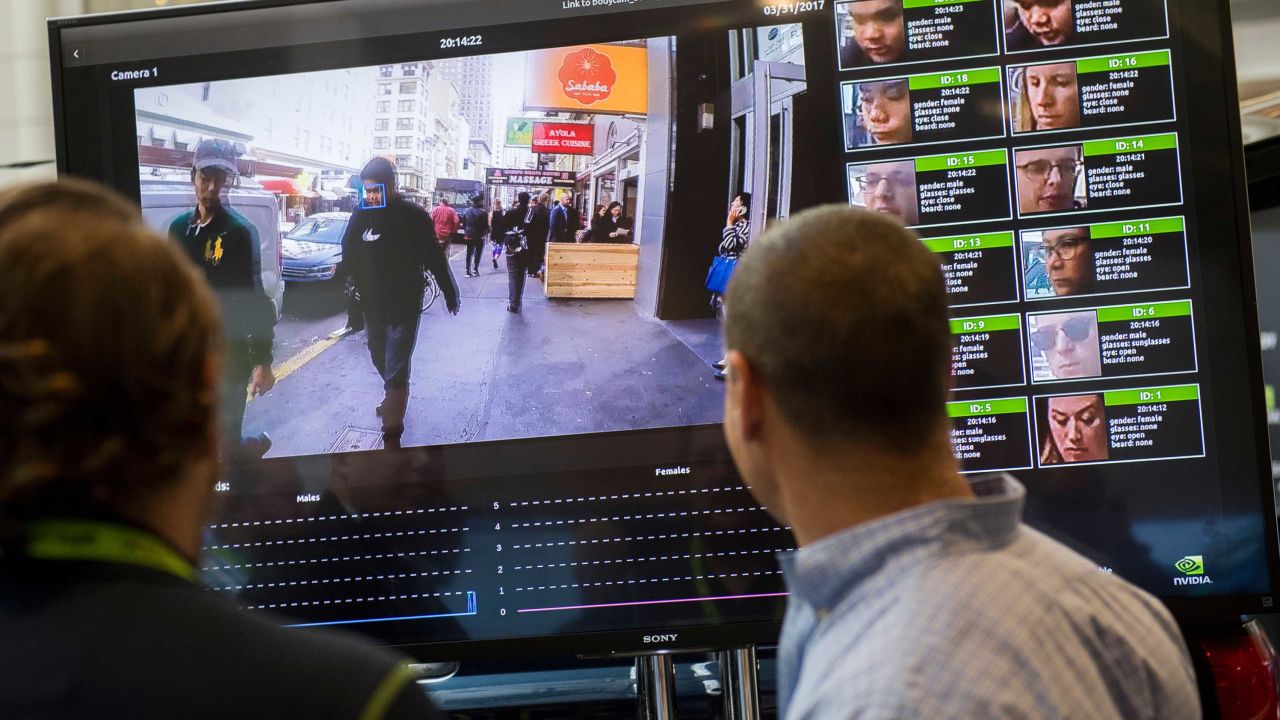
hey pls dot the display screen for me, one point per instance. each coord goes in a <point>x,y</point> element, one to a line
<point>563,485</point>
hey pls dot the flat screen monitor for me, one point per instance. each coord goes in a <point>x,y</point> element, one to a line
<point>563,486</point>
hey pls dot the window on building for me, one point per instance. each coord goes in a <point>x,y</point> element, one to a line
<point>408,88</point>
<point>379,124</point>
<point>404,142</point>
<point>381,143</point>
<point>404,161</point>
<point>384,71</point>
<point>409,69</point>
<point>384,88</point>
<point>383,106</point>
<point>405,106</point>
<point>404,123</point>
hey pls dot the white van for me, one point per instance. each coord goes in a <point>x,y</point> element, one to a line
<point>164,200</point>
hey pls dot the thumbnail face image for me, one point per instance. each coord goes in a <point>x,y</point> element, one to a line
<point>1058,263</point>
<point>877,113</point>
<point>1044,97</point>
<point>1034,24</point>
<point>1064,346</point>
<point>888,188</point>
<point>373,191</point>
<point>1075,430</point>
<point>1050,180</point>
<point>871,32</point>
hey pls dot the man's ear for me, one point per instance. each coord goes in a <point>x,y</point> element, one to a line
<point>748,393</point>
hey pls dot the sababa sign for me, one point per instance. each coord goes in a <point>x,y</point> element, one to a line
<point>563,138</point>
<point>599,79</point>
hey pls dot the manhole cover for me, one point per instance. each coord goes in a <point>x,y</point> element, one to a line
<point>354,439</point>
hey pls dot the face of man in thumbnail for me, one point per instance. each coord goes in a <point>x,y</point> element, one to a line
<point>209,184</point>
<point>1069,343</point>
<point>1047,179</point>
<point>566,199</point>
<point>1054,96</point>
<point>373,195</point>
<point>878,29</point>
<point>1078,427</point>
<point>885,110</point>
<point>890,188</point>
<point>1068,261</point>
<point>1048,20</point>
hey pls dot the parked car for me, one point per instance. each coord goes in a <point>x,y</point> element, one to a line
<point>313,248</point>
<point>165,199</point>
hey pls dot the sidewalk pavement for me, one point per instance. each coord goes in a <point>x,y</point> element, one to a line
<point>561,366</point>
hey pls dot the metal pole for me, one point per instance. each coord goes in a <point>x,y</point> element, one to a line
<point>656,687</point>
<point>739,683</point>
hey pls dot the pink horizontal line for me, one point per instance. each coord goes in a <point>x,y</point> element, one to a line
<point>653,602</point>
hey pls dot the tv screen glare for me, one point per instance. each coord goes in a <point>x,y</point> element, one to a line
<point>563,486</point>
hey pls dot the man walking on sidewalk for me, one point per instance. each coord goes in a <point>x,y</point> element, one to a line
<point>446,223</point>
<point>475,228</point>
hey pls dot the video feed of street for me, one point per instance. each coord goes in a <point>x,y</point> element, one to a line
<point>445,250</point>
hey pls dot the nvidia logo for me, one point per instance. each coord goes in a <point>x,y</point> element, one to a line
<point>1191,565</point>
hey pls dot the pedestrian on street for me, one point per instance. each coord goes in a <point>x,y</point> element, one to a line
<point>446,222</point>
<point>475,228</point>
<point>385,250</point>
<point>599,231</point>
<point>733,243</point>
<point>539,227</point>
<point>496,230</point>
<point>565,220</point>
<point>516,243</point>
<point>226,246</point>
<point>616,226</point>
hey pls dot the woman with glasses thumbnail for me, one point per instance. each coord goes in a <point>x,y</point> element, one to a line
<point>1047,180</point>
<point>1068,342</point>
<point>888,188</point>
<point>1059,263</point>
<point>879,113</point>
<point>1045,97</point>
<point>1075,430</point>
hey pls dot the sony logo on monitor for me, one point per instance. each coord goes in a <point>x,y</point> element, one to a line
<point>650,639</point>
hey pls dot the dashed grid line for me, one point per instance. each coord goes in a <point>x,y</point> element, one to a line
<point>649,516</point>
<point>686,578</point>
<point>668,493</point>
<point>354,600</point>
<point>357,516</point>
<point>339,538</point>
<point>585,563</point>
<point>297,583</point>
<point>334,559</point>
<point>666,536</point>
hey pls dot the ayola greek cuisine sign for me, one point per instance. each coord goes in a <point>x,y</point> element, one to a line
<point>598,79</point>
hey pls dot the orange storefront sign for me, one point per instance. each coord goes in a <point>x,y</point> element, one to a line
<point>606,79</point>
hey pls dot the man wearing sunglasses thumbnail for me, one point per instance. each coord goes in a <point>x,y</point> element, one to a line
<point>1047,179</point>
<point>888,188</point>
<point>1069,344</point>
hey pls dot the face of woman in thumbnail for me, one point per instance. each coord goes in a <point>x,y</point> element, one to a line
<point>616,212</point>
<point>890,188</point>
<point>1048,20</point>
<point>1069,343</point>
<point>878,29</point>
<point>1047,179</point>
<point>1054,96</point>
<point>1078,428</point>
<point>1068,261</point>
<point>885,111</point>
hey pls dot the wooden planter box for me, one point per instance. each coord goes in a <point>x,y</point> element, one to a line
<point>592,270</point>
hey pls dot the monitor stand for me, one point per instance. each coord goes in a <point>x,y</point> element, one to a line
<point>656,687</point>
<point>738,683</point>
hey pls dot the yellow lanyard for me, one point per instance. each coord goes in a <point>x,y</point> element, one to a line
<point>92,541</point>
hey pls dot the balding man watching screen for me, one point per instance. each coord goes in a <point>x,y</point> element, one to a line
<point>914,593</point>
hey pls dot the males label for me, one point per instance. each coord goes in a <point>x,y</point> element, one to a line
<point>1132,172</point>
<point>986,352</point>
<point>977,268</point>
<point>989,435</point>
<point>1115,341</point>
<point>915,31</point>
<point>1085,22</point>
<point>1104,91</point>
<point>1105,258</point>
<point>923,109</point>
<point>1152,423</point>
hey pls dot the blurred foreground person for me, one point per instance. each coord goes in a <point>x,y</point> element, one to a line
<point>110,352</point>
<point>914,593</point>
